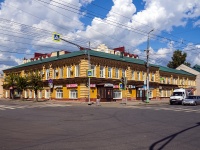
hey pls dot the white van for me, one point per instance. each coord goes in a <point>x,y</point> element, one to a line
<point>178,96</point>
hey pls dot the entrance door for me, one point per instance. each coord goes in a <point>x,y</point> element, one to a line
<point>106,94</point>
<point>141,94</point>
<point>109,94</point>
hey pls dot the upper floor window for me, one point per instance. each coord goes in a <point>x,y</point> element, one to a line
<point>116,73</point>
<point>93,69</point>
<point>109,72</point>
<point>132,75</point>
<point>123,73</point>
<point>138,75</point>
<point>77,73</point>
<point>153,77</point>
<point>143,76</point>
<point>69,71</point>
<point>61,72</point>
<point>102,72</point>
<point>47,74</point>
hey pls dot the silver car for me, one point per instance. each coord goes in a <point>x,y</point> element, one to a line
<point>191,100</point>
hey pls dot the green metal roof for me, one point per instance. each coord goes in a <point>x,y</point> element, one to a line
<point>166,69</point>
<point>102,55</point>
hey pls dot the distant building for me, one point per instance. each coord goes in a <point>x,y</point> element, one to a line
<point>1,85</point>
<point>194,70</point>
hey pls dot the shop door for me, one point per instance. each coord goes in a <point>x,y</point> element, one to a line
<point>141,95</point>
<point>109,94</point>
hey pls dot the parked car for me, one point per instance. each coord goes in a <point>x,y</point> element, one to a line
<point>178,96</point>
<point>191,100</point>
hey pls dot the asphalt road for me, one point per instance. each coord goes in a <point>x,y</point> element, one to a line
<point>41,126</point>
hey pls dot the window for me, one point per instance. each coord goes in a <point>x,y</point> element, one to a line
<point>25,94</point>
<point>116,73</point>
<point>68,72</point>
<point>73,94</point>
<point>30,94</point>
<point>47,74</point>
<point>77,73</point>
<point>132,75</point>
<point>93,69</point>
<point>61,72</point>
<point>123,73</point>
<point>102,72</point>
<point>59,93</point>
<point>169,81</point>
<point>138,75</point>
<point>153,77</point>
<point>54,73</point>
<point>39,94</point>
<point>47,93</point>
<point>117,94</point>
<point>109,72</point>
<point>143,76</point>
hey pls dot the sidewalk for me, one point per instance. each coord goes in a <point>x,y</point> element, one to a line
<point>79,103</point>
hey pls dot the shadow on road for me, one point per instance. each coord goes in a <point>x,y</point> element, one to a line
<point>169,138</point>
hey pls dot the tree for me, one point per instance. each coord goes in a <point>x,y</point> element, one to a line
<point>10,82</point>
<point>187,64</point>
<point>21,83</point>
<point>178,58</point>
<point>35,83</point>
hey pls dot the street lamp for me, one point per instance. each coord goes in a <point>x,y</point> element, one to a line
<point>147,52</point>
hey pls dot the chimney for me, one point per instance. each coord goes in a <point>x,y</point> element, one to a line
<point>58,54</point>
<point>121,54</point>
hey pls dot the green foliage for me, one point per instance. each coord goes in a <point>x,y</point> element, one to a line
<point>178,58</point>
<point>187,64</point>
<point>35,82</point>
<point>10,81</point>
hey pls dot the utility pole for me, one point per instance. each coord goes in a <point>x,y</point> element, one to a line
<point>147,52</point>
<point>89,67</point>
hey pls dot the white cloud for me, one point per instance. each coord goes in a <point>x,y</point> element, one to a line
<point>159,15</point>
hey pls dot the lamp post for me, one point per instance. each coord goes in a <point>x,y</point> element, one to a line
<point>147,52</point>
<point>89,67</point>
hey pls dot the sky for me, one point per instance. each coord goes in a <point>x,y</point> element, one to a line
<point>26,27</point>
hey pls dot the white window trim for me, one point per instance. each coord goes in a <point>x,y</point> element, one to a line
<point>69,71</point>
<point>77,71</point>
<point>110,72</point>
<point>93,68</point>
<point>102,71</point>
<point>59,93</point>
<point>73,92</point>
<point>117,73</point>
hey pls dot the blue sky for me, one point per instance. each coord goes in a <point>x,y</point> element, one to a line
<point>27,26</point>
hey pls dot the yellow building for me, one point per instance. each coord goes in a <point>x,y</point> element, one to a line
<point>68,72</point>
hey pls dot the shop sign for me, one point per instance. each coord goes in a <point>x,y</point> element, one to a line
<point>116,86</point>
<point>57,86</point>
<point>92,85</point>
<point>71,85</point>
<point>108,85</point>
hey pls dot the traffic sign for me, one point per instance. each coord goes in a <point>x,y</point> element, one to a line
<point>121,86</point>
<point>56,37</point>
<point>89,73</point>
<point>50,81</point>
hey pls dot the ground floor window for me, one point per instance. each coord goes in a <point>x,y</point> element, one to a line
<point>59,93</point>
<point>30,94</point>
<point>117,94</point>
<point>73,94</point>
<point>25,94</point>
<point>47,94</point>
<point>6,94</point>
<point>39,94</point>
